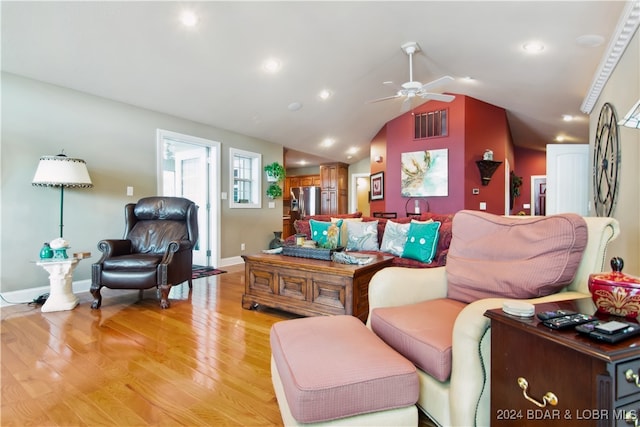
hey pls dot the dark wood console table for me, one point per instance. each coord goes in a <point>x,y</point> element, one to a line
<point>596,384</point>
<point>309,287</point>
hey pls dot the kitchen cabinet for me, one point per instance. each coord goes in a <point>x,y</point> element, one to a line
<point>334,184</point>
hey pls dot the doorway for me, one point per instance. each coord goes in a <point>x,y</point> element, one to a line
<point>360,193</point>
<point>189,167</point>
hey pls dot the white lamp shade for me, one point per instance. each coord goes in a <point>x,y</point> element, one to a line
<point>62,171</point>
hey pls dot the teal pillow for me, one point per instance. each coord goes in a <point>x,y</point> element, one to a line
<point>422,241</point>
<point>323,231</point>
<point>362,236</point>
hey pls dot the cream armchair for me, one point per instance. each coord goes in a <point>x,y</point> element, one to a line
<point>464,399</point>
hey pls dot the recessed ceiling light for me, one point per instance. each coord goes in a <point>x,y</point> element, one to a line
<point>533,47</point>
<point>590,40</point>
<point>328,142</point>
<point>302,162</point>
<point>271,65</point>
<point>560,138</point>
<point>189,18</point>
<point>325,94</point>
<point>352,150</point>
<point>567,117</point>
<point>294,106</point>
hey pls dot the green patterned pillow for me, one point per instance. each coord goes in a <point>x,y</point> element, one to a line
<point>422,241</point>
<point>362,236</point>
<point>394,238</point>
<point>327,234</point>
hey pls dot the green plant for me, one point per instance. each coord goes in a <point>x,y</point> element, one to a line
<point>274,191</point>
<point>276,171</point>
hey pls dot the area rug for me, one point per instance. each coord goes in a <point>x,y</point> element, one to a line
<point>199,271</point>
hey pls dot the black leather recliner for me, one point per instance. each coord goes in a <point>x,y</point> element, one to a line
<point>156,251</point>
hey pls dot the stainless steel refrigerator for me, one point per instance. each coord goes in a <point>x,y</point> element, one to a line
<point>305,201</point>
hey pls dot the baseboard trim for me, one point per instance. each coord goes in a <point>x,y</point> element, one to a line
<point>25,296</point>
<point>226,262</point>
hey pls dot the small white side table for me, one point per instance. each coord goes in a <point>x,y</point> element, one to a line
<point>61,295</point>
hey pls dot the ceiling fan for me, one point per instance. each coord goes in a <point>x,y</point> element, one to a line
<point>411,89</point>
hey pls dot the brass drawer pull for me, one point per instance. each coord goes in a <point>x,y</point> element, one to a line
<point>630,417</point>
<point>549,397</point>
<point>631,377</point>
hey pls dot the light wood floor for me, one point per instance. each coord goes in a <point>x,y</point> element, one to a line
<point>204,361</point>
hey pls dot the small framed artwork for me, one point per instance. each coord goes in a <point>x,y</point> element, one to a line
<point>377,186</point>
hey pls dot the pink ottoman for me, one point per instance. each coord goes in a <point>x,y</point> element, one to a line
<point>334,371</point>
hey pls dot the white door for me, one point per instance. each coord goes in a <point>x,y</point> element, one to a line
<point>189,167</point>
<point>567,178</point>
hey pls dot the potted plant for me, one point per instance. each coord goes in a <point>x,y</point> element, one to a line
<point>274,191</point>
<point>275,172</point>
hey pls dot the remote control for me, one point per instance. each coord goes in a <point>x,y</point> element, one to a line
<point>569,321</point>
<point>546,315</point>
<point>591,330</point>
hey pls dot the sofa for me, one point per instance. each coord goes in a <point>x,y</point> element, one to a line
<point>408,302</point>
<point>302,226</point>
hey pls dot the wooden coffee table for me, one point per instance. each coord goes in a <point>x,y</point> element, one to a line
<point>309,287</point>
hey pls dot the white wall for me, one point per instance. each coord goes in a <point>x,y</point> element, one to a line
<point>622,91</point>
<point>118,142</point>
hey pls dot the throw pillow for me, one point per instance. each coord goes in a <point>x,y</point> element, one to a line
<point>343,229</point>
<point>394,238</point>
<point>422,241</point>
<point>362,236</point>
<point>524,257</point>
<point>327,234</point>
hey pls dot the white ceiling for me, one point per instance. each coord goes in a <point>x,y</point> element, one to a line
<point>139,53</point>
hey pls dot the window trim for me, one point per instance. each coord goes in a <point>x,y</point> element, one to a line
<point>256,179</point>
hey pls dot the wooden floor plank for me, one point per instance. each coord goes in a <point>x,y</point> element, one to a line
<point>204,361</point>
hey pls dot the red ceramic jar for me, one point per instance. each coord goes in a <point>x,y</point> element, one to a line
<point>616,293</point>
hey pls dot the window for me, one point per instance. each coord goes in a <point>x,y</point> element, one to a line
<point>431,124</point>
<point>245,179</point>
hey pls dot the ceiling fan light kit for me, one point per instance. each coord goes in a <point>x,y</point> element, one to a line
<point>412,88</point>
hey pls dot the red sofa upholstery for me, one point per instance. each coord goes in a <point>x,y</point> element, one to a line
<point>444,238</point>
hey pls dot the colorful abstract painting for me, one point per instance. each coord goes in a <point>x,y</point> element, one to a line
<point>425,173</point>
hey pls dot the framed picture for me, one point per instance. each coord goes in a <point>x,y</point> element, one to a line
<point>425,173</point>
<point>377,186</point>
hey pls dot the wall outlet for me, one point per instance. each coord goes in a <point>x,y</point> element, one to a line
<point>129,191</point>
<point>242,247</point>
<point>483,206</point>
<point>223,195</point>
<point>272,205</point>
<point>526,206</point>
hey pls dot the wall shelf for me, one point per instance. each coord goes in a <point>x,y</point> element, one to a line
<point>487,168</point>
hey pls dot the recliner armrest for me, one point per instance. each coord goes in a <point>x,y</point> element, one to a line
<point>114,247</point>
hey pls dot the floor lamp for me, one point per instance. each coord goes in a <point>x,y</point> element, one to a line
<point>61,171</point>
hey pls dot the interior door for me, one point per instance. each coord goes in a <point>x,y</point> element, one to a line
<point>190,177</point>
<point>190,167</point>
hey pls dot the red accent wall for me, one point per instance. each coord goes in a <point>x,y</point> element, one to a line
<point>473,127</point>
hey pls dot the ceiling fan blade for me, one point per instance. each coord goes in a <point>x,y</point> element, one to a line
<point>435,83</point>
<point>383,99</point>
<point>437,96</point>
<point>406,105</point>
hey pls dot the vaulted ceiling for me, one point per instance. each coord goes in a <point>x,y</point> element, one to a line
<point>212,72</point>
